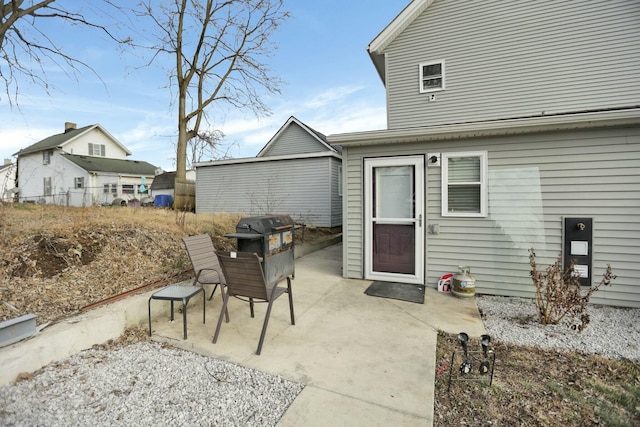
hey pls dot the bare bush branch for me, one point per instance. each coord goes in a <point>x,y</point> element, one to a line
<point>559,295</point>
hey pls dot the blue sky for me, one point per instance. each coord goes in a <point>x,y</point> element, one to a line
<point>329,83</point>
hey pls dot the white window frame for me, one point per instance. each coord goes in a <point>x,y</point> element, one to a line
<point>46,157</point>
<point>432,76</point>
<point>97,150</point>
<point>47,186</point>
<point>78,182</point>
<point>483,183</point>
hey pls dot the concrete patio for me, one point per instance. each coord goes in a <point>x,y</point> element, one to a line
<point>364,360</point>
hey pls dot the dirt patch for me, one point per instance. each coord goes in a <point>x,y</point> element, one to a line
<point>54,261</point>
<point>536,387</point>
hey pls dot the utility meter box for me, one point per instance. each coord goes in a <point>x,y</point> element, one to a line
<point>577,246</point>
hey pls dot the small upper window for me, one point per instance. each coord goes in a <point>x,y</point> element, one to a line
<point>46,157</point>
<point>78,182</point>
<point>97,150</point>
<point>464,184</point>
<point>431,76</point>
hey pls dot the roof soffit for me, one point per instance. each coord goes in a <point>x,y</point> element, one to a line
<point>378,45</point>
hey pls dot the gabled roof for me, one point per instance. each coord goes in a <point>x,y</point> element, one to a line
<point>61,139</point>
<point>6,166</point>
<point>379,45</point>
<point>164,181</point>
<point>106,165</point>
<point>320,137</point>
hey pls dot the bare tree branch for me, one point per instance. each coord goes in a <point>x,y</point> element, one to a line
<point>23,44</point>
<point>218,49</point>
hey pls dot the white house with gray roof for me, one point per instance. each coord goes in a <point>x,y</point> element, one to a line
<point>510,126</point>
<point>81,167</point>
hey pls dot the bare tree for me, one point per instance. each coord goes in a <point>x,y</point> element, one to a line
<point>205,146</point>
<point>218,48</point>
<point>26,51</point>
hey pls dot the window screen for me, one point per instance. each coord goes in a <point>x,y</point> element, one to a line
<point>464,184</point>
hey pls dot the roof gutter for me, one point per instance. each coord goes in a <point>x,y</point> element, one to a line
<point>269,158</point>
<point>520,126</point>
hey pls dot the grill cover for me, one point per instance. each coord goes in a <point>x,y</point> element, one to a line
<point>272,238</point>
<point>264,224</point>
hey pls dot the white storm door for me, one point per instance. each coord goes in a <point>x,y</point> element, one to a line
<point>394,209</point>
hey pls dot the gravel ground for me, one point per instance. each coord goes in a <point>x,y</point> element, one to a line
<point>146,384</point>
<point>150,384</point>
<point>613,333</point>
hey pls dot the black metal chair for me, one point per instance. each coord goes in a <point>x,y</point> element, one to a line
<point>246,281</point>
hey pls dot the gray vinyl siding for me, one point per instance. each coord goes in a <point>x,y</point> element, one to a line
<point>592,173</point>
<point>336,199</point>
<point>297,187</point>
<point>294,140</point>
<point>515,59</point>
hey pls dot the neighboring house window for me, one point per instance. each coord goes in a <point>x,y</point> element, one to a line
<point>127,189</point>
<point>47,186</point>
<point>46,157</point>
<point>340,181</point>
<point>96,150</point>
<point>110,188</point>
<point>431,76</point>
<point>464,184</point>
<point>78,182</point>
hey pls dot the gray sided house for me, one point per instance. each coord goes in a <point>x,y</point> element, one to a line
<point>296,173</point>
<point>81,167</point>
<point>511,125</point>
<point>164,183</point>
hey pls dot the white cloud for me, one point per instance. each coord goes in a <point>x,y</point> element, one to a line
<point>331,96</point>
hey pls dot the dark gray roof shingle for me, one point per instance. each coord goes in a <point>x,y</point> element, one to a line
<point>103,164</point>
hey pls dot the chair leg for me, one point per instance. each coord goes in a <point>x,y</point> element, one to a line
<point>251,306</point>
<point>184,318</point>
<point>226,312</point>
<point>222,313</point>
<point>293,318</point>
<point>149,316</point>
<point>264,327</point>
<point>204,308</point>
<point>213,291</point>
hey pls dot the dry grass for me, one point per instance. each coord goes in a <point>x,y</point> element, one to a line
<point>56,260</point>
<point>536,387</point>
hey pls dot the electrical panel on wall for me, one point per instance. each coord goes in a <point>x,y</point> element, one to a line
<point>577,245</point>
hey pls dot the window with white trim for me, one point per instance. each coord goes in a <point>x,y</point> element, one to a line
<point>46,157</point>
<point>47,187</point>
<point>431,76</point>
<point>97,150</point>
<point>78,182</point>
<point>128,189</point>
<point>464,184</point>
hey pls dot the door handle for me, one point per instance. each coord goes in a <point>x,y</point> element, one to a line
<point>420,220</point>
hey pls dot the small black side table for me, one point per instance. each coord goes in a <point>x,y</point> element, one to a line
<point>178,293</point>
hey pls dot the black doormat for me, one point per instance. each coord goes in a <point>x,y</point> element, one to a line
<point>395,290</point>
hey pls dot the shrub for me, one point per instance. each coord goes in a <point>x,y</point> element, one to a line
<point>559,295</point>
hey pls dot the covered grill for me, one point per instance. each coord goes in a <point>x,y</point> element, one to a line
<point>272,238</point>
